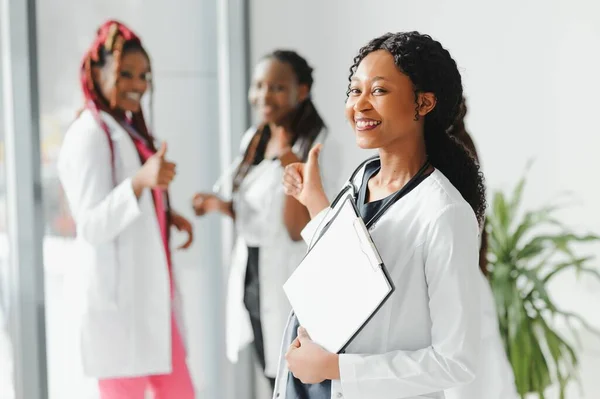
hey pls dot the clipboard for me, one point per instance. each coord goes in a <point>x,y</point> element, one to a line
<point>341,283</point>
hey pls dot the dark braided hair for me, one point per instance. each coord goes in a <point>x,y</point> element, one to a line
<point>432,70</point>
<point>306,124</point>
<point>459,131</point>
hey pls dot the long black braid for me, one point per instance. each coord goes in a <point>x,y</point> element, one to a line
<point>431,69</point>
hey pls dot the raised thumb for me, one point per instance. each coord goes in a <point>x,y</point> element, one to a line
<point>313,155</point>
<point>162,150</point>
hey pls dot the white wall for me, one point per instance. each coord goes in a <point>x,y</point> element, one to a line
<point>531,75</point>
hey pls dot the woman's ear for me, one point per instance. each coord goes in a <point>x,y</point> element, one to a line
<point>303,92</point>
<point>426,102</point>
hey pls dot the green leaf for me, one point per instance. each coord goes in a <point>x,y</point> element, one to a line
<point>579,319</point>
<point>516,197</point>
<point>576,263</point>
<point>538,288</point>
<point>559,241</point>
<point>501,211</point>
<point>530,250</point>
<point>533,219</point>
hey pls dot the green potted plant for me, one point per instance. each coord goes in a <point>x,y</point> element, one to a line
<point>526,251</point>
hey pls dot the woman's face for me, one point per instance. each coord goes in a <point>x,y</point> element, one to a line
<point>381,105</point>
<point>275,92</point>
<point>133,81</point>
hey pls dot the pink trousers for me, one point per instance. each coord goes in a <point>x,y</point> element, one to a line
<point>177,385</point>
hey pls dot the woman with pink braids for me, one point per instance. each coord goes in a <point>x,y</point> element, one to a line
<point>116,182</point>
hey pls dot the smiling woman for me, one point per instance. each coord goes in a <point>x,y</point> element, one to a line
<point>116,183</point>
<point>268,223</point>
<point>420,198</point>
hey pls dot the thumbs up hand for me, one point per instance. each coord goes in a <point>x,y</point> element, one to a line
<point>303,182</point>
<point>156,171</point>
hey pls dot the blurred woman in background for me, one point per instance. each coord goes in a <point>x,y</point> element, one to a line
<point>116,182</point>
<point>267,222</point>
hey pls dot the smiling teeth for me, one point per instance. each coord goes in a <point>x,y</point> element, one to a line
<point>367,123</point>
<point>134,96</point>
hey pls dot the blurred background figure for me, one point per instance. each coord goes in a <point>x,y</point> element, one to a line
<point>267,223</point>
<point>117,184</point>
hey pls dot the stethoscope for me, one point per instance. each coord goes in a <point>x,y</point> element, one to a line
<point>351,190</point>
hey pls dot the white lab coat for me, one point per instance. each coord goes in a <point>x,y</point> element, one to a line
<point>120,290</point>
<point>425,338</point>
<point>259,223</point>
